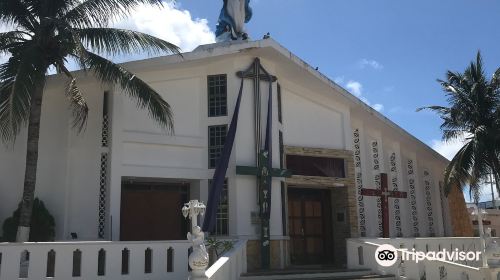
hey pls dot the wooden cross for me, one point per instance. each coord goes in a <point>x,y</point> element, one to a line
<point>262,170</point>
<point>384,195</point>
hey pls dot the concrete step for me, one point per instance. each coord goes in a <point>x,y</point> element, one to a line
<point>315,274</point>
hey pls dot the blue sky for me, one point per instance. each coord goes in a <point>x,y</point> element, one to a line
<point>389,52</point>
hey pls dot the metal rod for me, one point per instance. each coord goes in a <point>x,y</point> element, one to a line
<point>258,109</point>
<point>256,72</point>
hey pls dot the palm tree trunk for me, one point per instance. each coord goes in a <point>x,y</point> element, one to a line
<point>23,230</point>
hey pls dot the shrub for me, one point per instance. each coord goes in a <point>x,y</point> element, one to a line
<point>42,224</point>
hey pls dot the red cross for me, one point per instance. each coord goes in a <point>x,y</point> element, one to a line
<point>384,195</point>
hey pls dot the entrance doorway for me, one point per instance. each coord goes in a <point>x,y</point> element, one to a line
<point>310,226</point>
<point>152,211</point>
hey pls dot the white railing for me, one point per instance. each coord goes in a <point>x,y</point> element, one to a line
<point>95,260</point>
<point>231,265</point>
<point>361,255</point>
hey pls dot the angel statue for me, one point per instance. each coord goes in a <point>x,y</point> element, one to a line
<point>232,19</point>
<point>198,260</point>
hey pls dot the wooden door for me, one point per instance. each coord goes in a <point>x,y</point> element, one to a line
<point>152,212</point>
<point>309,226</point>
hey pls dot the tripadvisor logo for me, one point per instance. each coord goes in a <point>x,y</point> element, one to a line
<point>386,255</point>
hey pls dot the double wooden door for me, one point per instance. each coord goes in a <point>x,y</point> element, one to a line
<point>151,211</point>
<point>310,230</point>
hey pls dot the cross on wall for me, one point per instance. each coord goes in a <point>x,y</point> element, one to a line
<point>384,193</point>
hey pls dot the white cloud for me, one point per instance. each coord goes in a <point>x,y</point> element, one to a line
<point>448,149</point>
<point>171,24</point>
<point>378,107</point>
<point>356,88</point>
<point>363,63</point>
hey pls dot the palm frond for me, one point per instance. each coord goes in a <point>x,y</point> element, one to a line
<point>452,134</point>
<point>474,193</point>
<point>50,8</point>
<point>120,41</point>
<point>11,39</point>
<point>457,173</point>
<point>99,12</point>
<point>495,80</point>
<point>19,77</point>
<point>145,96</point>
<point>78,106</point>
<point>77,103</point>
<point>16,12</point>
<point>437,109</point>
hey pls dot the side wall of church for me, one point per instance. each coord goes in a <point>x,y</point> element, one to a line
<point>410,167</point>
<point>68,163</point>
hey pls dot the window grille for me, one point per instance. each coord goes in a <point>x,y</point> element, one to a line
<point>103,175</point>
<point>222,215</point>
<point>216,140</point>
<point>217,95</point>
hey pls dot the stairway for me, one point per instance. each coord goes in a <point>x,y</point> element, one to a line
<point>316,274</point>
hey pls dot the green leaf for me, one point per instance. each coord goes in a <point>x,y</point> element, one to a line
<point>18,79</point>
<point>120,41</point>
<point>78,105</point>
<point>145,96</point>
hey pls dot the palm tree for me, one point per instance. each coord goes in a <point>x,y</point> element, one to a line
<point>46,33</point>
<point>473,114</point>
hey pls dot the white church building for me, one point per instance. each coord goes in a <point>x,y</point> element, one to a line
<point>124,179</point>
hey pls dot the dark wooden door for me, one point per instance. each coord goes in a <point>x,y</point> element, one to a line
<point>151,211</point>
<point>310,230</point>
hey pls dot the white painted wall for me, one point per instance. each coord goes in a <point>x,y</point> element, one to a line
<point>391,140</point>
<point>68,165</point>
<point>12,166</point>
<point>311,120</point>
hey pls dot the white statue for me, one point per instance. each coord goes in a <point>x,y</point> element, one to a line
<point>198,260</point>
<point>232,19</point>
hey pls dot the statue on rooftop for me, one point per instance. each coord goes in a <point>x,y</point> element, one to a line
<point>232,19</point>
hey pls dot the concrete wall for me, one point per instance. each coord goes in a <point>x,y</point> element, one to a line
<point>68,164</point>
<point>391,155</point>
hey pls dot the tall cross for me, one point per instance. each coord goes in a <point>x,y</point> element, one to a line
<point>384,195</point>
<point>263,169</point>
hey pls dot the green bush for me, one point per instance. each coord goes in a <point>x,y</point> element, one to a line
<point>42,224</point>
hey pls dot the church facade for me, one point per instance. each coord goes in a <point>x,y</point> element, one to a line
<point>354,173</point>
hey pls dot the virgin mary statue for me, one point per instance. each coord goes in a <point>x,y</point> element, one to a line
<point>232,19</point>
